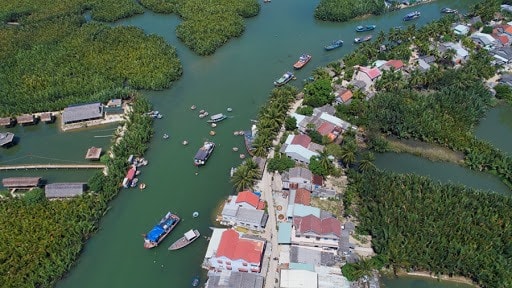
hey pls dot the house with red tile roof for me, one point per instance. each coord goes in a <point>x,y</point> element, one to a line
<point>302,196</point>
<point>300,148</point>
<point>316,232</point>
<point>367,75</point>
<point>244,210</point>
<point>237,253</point>
<point>504,40</point>
<point>393,64</point>
<point>343,96</point>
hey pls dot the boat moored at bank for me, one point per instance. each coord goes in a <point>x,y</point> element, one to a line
<point>204,153</point>
<point>303,60</point>
<point>189,237</point>
<point>447,10</point>
<point>334,44</point>
<point>364,28</point>
<point>287,77</point>
<point>363,39</point>
<point>161,230</point>
<point>411,16</point>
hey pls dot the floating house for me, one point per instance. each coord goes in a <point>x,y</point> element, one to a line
<point>93,153</point>
<point>47,117</point>
<point>7,122</point>
<point>6,139</point>
<point>21,182</point>
<point>81,113</point>
<point>26,119</point>
<point>64,190</point>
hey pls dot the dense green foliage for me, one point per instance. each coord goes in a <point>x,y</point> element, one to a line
<point>354,271</point>
<point>246,175</point>
<point>42,238</point>
<point>36,10</point>
<point>280,163</point>
<point>271,118</point>
<point>343,10</point>
<point>318,93</point>
<point>207,24</point>
<point>446,229</point>
<point>83,67</point>
<point>504,92</point>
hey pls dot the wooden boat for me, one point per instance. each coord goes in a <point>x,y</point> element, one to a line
<point>161,230</point>
<point>303,60</point>
<point>189,237</point>
<point>361,28</point>
<point>196,280</point>
<point>334,44</point>
<point>448,10</point>
<point>204,153</point>
<point>217,118</point>
<point>411,16</point>
<point>363,39</point>
<point>287,77</point>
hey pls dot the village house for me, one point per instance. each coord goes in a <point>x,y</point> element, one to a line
<point>461,54</point>
<point>396,65</point>
<point>461,30</point>
<point>297,177</point>
<point>299,210</point>
<point>343,96</point>
<point>246,210</point>
<point>298,278</point>
<point>47,117</point>
<point>300,148</point>
<point>314,231</point>
<point>483,40</point>
<point>26,119</point>
<point>234,279</point>
<point>7,122</point>
<point>367,75</point>
<point>502,55</point>
<point>300,196</point>
<point>234,252</point>
<point>114,106</point>
<point>21,182</point>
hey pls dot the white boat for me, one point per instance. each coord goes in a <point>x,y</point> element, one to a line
<point>217,118</point>
<point>189,237</point>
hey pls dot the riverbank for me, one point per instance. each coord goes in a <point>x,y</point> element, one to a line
<point>425,150</point>
<point>426,274</point>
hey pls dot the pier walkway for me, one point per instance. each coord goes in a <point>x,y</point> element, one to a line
<point>51,166</point>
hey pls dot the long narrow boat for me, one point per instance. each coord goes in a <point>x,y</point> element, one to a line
<point>334,44</point>
<point>203,153</point>
<point>411,16</point>
<point>363,39</point>
<point>161,230</point>
<point>303,60</point>
<point>189,237</point>
<point>365,28</point>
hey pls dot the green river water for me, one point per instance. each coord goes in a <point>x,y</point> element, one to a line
<point>239,75</point>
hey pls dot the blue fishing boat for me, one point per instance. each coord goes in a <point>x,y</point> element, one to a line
<point>195,281</point>
<point>161,230</point>
<point>411,16</point>
<point>334,44</point>
<point>361,28</point>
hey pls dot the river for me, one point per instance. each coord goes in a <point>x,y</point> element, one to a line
<point>239,75</point>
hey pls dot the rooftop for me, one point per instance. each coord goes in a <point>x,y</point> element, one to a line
<point>25,119</point>
<point>18,182</point>
<point>233,247</point>
<point>250,198</point>
<point>93,153</point>
<point>284,232</point>
<point>6,138</point>
<point>310,223</point>
<point>64,190</point>
<point>234,279</point>
<point>302,196</point>
<point>82,112</point>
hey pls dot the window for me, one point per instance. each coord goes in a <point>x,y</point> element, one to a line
<point>245,264</point>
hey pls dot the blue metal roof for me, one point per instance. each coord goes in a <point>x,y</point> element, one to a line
<point>284,233</point>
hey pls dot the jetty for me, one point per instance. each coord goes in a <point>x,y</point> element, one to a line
<point>50,166</point>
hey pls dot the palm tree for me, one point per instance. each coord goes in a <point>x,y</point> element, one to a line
<point>246,175</point>
<point>366,164</point>
<point>348,153</point>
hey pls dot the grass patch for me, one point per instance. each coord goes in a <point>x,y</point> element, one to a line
<point>426,150</point>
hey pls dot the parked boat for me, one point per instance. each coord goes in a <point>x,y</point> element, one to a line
<point>334,44</point>
<point>196,280</point>
<point>161,230</point>
<point>166,136</point>
<point>217,118</point>
<point>361,28</point>
<point>130,176</point>
<point>448,10</point>
<point>363,39</point>
<point>303,60</point>
<point>287,77</point>
<point>189,237</point>
<point>203,153</point>
<point>411,16</point>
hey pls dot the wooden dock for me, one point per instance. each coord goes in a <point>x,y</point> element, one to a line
<point>51,166</point>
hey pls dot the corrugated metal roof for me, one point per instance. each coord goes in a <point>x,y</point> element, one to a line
<point>284,233</point>
<point>82,112</point>
<point>64,190</point>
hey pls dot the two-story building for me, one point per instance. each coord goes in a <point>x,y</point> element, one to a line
<point>314,231</point>
<point>246,210</point>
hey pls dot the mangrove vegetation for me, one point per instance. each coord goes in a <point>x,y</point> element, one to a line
<point>344,10</point>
